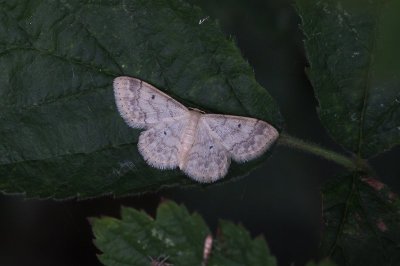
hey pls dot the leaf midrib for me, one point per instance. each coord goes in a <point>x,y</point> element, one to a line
<point>367,86</point>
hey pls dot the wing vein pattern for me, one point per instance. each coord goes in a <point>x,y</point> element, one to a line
<point>207,160</point>
<point>245,138</point>
<point>140,104</point>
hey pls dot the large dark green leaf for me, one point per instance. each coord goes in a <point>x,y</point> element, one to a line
<point>177,236</point>
<point>60,133</point>
<point>362,222</point>
<point>353,49</point>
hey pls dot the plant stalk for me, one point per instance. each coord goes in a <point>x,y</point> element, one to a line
<point>319,151</point>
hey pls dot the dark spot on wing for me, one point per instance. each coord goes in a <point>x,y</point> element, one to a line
<point>239,125</point>
<point>211,147</point>
<point>153,96</point>
<point>165,133</point>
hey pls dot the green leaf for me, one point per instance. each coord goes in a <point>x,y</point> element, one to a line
<point>236,247</point>
<point>174,235</point>
<point>362,222</point>
<point>60,132</point>
<point>354,55</point>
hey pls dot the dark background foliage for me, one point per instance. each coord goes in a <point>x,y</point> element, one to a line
<point>280,200</point>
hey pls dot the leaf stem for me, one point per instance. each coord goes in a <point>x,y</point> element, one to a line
<point>312,148</point>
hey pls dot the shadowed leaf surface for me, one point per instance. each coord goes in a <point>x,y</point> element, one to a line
<point>362,222</point>
<point>176,235</point>
<point>60,132</point>
<point>354,55</point>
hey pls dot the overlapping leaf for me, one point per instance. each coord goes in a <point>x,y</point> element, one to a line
<point>362,222</point>
<point>175,236</point>
<point>60,133</point>
<point>353,50</point>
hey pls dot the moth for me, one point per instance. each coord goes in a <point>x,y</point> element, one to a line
<point>201,145</point>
